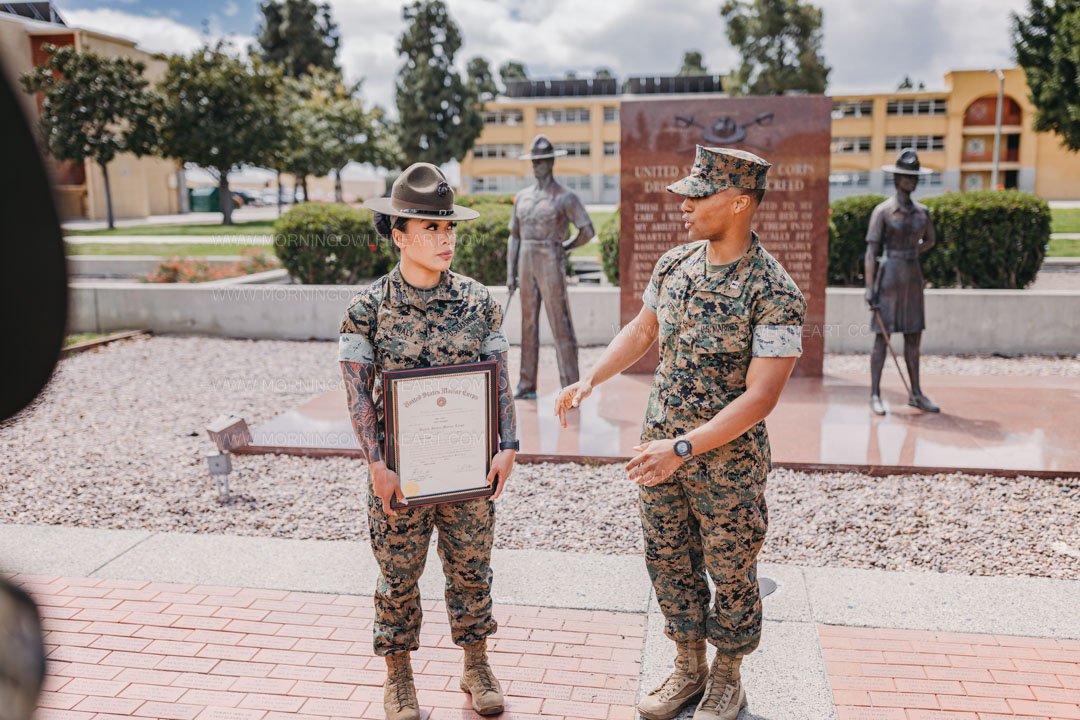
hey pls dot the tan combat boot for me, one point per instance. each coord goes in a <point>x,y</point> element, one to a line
<point>399,692</point>
<point>478,680</point>
<point>724,693</point>
<point>681,687</point>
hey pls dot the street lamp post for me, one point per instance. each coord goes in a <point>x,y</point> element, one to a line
<point>997,130</point>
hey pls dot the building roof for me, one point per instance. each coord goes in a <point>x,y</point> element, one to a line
<point>41,11</point>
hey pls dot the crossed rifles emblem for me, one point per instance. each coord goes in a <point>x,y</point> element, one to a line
<point>726,130</point>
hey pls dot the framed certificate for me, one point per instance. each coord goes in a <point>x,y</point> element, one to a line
<point>441,430</point>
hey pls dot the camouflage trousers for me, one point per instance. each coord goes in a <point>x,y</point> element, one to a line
<point>466,533</point>
<point>703,520</point>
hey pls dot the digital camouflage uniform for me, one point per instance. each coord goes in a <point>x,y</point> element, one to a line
<point>710,515</point>
<point>396,326</point>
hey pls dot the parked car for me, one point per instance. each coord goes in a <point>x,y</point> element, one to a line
<point>247,197</point>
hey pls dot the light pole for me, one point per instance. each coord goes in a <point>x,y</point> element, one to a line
<point>997,131</point>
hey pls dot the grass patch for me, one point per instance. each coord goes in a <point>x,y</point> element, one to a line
<point>251,227</point>
<point>1065,220</point>
<point>1064,247</point>
<point>81,337</point>
<point>164,249</point>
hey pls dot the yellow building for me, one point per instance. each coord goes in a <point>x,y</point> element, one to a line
<point>140,186</point>
<point>578,116</point>
<point>953,130</point>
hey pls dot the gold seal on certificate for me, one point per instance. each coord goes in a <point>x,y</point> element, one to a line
<point>441,430</point>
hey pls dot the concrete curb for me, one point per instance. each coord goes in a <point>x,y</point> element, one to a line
<point>785,677</point>
<point>831,595</point>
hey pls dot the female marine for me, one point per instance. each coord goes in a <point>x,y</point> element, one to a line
<point>420,315</point>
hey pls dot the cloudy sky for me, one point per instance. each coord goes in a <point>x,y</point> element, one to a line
<point>870,44</point>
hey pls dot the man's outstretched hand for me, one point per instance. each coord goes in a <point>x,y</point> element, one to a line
<point>571,397</point>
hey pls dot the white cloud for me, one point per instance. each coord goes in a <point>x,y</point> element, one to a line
<point>230,9</point>
<point>870,44</point>
<point>154,34</point>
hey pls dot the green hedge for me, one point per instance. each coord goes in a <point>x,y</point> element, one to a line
<point>987,239</point>
<point>472,201</point>
<point>330,245</point>
<point>481,244</point>
<point>609,248</point>
<point>850,217</point>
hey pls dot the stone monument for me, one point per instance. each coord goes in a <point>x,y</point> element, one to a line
<point>793,133</point>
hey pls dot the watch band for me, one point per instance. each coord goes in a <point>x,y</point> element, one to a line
<point>510,445</point>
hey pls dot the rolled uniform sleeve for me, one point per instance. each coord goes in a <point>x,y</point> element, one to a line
<point>495,341</point>
<point>651,296</point>
<point>779,315</point>
<point>354,341</point>
<point>576,212</point>
<point>875,231</point>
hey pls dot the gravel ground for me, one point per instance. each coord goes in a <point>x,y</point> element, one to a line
<point>117,441</point>
<point>1030,365</point>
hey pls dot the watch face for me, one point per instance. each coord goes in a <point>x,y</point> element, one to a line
<point>682,448</point>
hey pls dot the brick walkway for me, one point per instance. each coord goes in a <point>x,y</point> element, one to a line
<point>120,649</point>
<point>879,674</point>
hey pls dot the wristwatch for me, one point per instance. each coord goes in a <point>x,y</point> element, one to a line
<point>510,445</point>
<point>683,448</point>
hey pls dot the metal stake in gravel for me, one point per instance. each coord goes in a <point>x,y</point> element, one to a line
<point>220,466</point>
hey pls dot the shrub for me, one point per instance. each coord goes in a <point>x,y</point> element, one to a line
<point>330,244</point>
<point>481,244</point>
<point>196,270</point>
<point>849,217</point>
<point>474,200</point>
<point>609,248</point>
<point>987,239</point>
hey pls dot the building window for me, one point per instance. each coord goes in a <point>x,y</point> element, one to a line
<point>849,179</point>
<point>576,149</point>
<point>852,109</point>
<point>973,182</point>
<point>497,151</point>
<point>611,182</point>
<point>499,184</point>
<point>611,149</point>
<point>850,145</point>
<point>504,117</point>
<point>934,179</point>
<point>562,116</point>
<point>577,183</point>
<point>911,106</point>
<point>896,143</point>
<point>611,114</point>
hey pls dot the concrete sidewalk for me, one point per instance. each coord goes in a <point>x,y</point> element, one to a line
<point>788,677</point>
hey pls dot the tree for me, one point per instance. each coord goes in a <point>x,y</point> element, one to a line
<point>438,112</point>
<point>1046,42</point>
<point>298,35</point>
<point>328,127</point>
<point>693,64</point>
<point>603,73</point>
<point>780,44</point>
<point>479,73</point>
<point>512,70</point>
<point>308,137</point>
<point>221,111</point>
<point>94,108</point>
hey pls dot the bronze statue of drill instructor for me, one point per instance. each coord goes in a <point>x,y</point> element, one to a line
<point>536,262</point>
<point>900,231</point>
